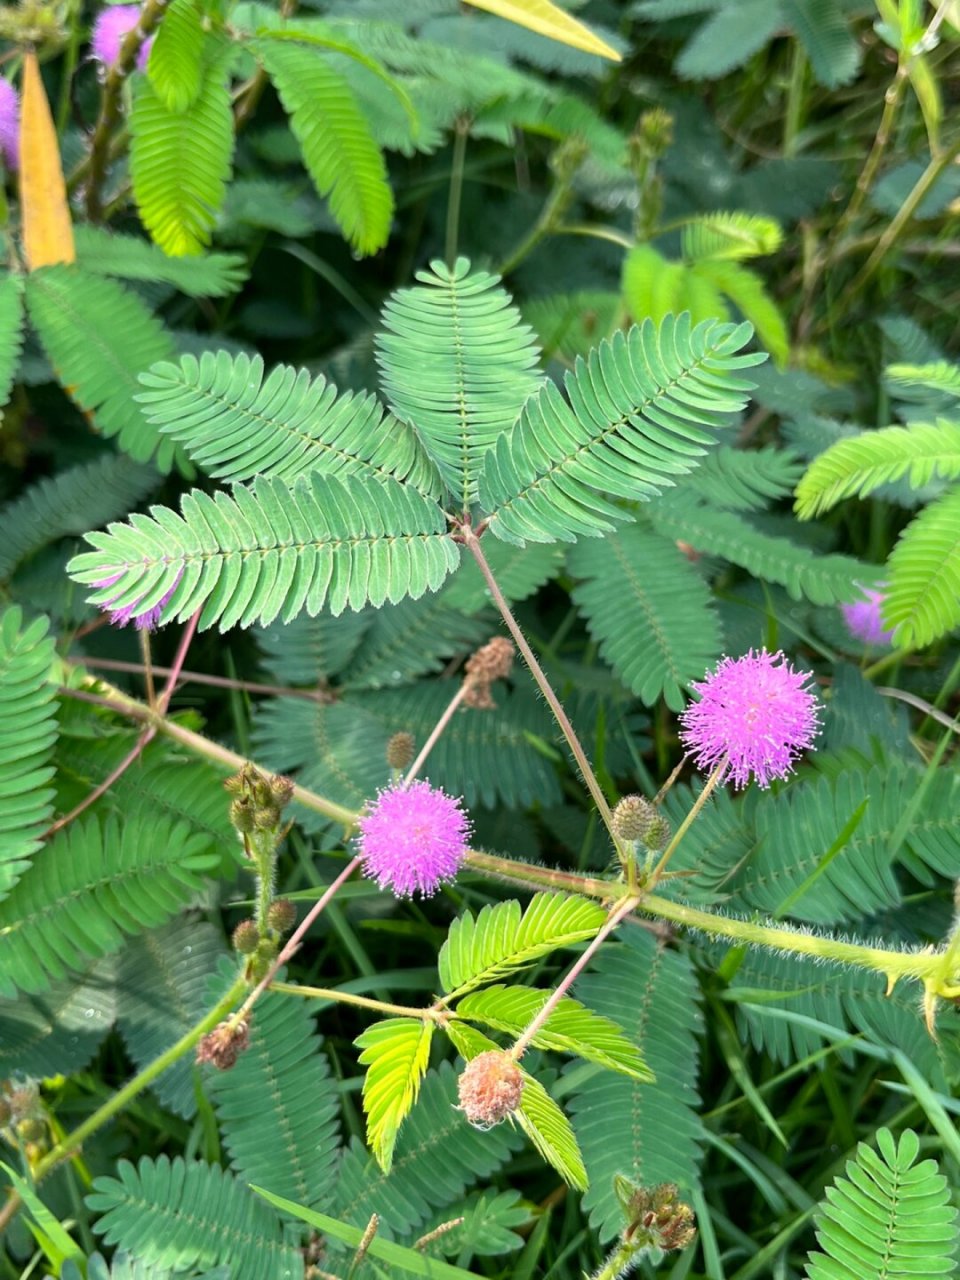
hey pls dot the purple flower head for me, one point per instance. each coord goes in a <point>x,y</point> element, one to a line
<point>863,618</point>
<point>110,30</point>
<point>413,838</point>
<point>757,712</point>
<point>142,619</point>
<point>9,125</point>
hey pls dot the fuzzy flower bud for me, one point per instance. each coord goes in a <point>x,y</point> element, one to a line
<point>632,817</point>
<point>224,1045</point>
<point>492,661</point>
<point>490,1088</point>
<point>245,937</point>
<point>242,815</point>
<point>657,1213</point>
<point>657,834</point>
<point>863,618</point>
<point>111,28</point>
<point>400,749</point>
<point>282,915</point>
<point>755,716</point>
<point>32,1129</point>
<point>413,838</point>
<point>281,790</point>
<point>9,126</point>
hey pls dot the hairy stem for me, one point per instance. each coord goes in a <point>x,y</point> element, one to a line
<point>435,733</point>
<point>553,702</point>
<point>334,996</point>
<point>527,1036</point>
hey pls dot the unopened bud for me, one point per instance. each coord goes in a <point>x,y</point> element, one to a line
<point>632,817</point>
<point>282,915</point>
<point>32,1129</point>
<point>224,1045</point>
<point>658,833</point>
<point>281,790</point>
<point>490,1088</point>
<point>658,1212</point>
<point>267,818</point>
<point>262,958</point>
<point>245,937</point>
<point>400,749</point>
<point>242,814</point>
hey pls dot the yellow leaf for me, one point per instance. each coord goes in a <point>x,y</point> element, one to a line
<point>47,230</point>
<point>549,20</point>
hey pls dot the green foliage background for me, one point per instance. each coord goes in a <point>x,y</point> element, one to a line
<point>678,335</point>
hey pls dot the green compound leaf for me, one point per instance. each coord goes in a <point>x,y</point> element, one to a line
<point>923,598</point>
<point>396,1052</point>
<point>89,887</point>
<point>184,1214</point>
<point>28,734</point>
<point>175,66</point>
<point>195,145</point>
<point>890,1217</point>
<point>457,363</point>
<point>502,939</point>
<point>249,556</point>
<point>237,424</point>
<point>939,376</point>
<point>730,237</point>
<point>571,1027</point>
<point>338,149</point>
<point>98,337</point>
<point>11,333</point>
<point>643,408</point>
<point>649,609</point>
<point>856,467</point>
<point>201,275</point>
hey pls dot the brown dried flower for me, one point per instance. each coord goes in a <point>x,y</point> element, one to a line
<point>224,1045</point>
<point>490,1088</point>
<point>400,749</point>
<point>492,661</point>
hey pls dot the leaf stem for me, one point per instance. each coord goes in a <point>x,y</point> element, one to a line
<point>334,996</point>
<point>599,799</point>
<point>435,733</point>
<point>527,1036</point>
<point>695,808</point>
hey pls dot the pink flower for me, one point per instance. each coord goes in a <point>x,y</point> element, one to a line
<point>756,713</point>
<point>110,30</point>
<point>142,619</point>
<point>413,838</point>
<point>863,618</point>
<point>9,125</point>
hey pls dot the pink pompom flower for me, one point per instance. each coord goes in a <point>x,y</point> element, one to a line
<point>111,28</point>
<point>413,839</point>
<point>9,125</point>
<point>863,617</point>
<point>142,619</point>
<point>756,713</point>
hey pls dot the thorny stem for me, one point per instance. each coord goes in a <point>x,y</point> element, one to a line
<point>526,1038</point>
<point>589,777</point>
<point>435,733</point>
<point>708,788</point>
<point>96,164</point>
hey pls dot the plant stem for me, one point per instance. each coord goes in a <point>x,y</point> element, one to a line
<point>189,631</point>
<point>589,777</point>
<point>435,733</point>
<point>526,1038</point>
<point>201,677</point>
<point>891,105</point>
<point>701,800</point>
<point>793,118</point>
<point>362,1002</point>
<point>293,942</point>
<point>460,133</point>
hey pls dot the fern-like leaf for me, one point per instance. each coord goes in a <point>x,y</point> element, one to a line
<point>738,480</point>
<point>89,887</point>
<point>175,67</point>
<point>730,237</point>
<point>889,1217</point>
<point>163,981</point>
<point>654,618</point>
<point>822,27</point>
<point>806,574</point>
<point>411,639</point>
<point>196,144</point>
<point>728,38</point>
<point>503,939</point>
<point>641,410</point>
<point>438,1155</point>
<point>651,991</point>
<point>68,503</point>
<point>338,150</point>
<point>205,275</point>
<point>272,548</point>
<point>99,337</point>
<point>858,465</point>
<point>747,291</point>
<point>278,1107</point>
<point>571,1027</point>
<point>939,376</point>
<point>177,1214</point>
<point>457,363</point>
<point>58,1031</point>
<point>396,1052</point>
<point>237,425</point>
<point>28,733</point>
<point>923,598</point>
<point>11,333</point>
